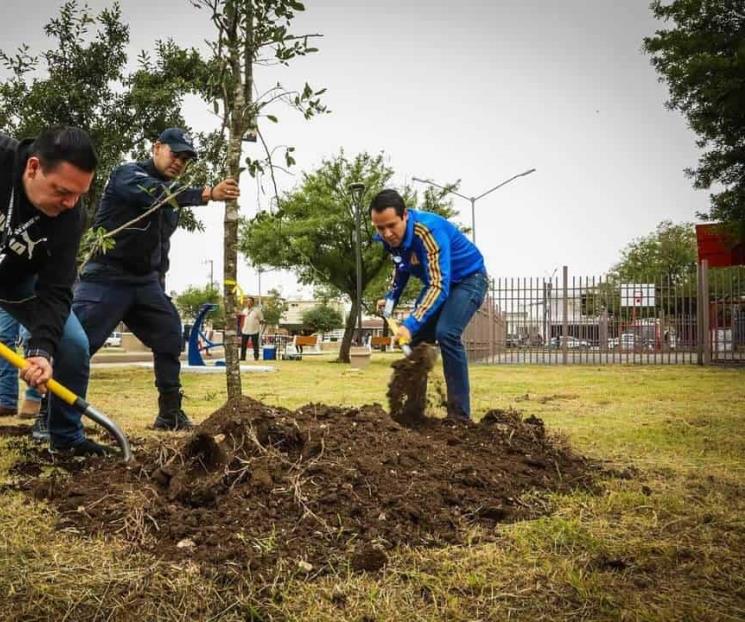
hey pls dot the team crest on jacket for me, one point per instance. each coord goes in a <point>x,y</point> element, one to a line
<point>414,260</point>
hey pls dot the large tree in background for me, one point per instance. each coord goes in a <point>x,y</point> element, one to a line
<point>669,252</point>
<point>701,57</point>
<point>81,80</point>
<point>247,34</point>
<point>313,231</point>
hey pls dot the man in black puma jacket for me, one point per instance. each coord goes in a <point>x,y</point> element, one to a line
<point>41,182</point>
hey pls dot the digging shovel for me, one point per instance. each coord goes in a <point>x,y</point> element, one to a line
<point>78,403</point>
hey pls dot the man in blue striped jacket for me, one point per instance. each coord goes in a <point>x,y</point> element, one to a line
<point>452,269</point>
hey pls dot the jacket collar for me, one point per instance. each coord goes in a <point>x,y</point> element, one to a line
<point>409,237</point>
<point>149,167</point>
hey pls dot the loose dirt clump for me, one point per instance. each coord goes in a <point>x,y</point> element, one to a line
<point>407,389</point>
<point>266,490</point>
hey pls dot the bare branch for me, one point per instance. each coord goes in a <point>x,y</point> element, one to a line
<point>260,105</point>
<point>271,165</point>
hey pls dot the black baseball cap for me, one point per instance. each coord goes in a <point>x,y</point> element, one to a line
<point>178,140</point>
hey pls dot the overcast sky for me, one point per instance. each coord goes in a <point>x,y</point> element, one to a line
<point>477,90</point>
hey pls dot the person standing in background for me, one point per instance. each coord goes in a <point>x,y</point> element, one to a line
<point>253,320</point>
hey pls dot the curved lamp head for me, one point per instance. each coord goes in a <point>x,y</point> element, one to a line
<point>357,189</point>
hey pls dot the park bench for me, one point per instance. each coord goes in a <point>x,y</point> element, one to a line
<point>378,341</point>
<point>302,344</point>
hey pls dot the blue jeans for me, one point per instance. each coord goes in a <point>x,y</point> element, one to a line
<point>9,330</point>
<point>446,327</point>
<point>71,363</point>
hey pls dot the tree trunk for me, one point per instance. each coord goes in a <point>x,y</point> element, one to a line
<point>230,250</point>
<point>349,329</point>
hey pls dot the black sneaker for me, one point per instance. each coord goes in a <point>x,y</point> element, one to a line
<point>86,447</point>
<point>40,429</point>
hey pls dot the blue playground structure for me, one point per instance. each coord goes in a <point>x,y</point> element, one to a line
<point>197,333</point>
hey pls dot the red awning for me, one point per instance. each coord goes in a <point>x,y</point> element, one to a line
<point>719,246</point>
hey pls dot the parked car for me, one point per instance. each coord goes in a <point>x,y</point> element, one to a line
<point>630,341</point>
<point>573,343</point>
<point>625,341</point>
<point>114,340</point>
<point>513,341</point>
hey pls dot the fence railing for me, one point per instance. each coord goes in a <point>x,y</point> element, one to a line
<point>695,316</point>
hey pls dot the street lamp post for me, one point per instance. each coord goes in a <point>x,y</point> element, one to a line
<point>356,190</point>
<point>474,199</point>
<point>211,262</point>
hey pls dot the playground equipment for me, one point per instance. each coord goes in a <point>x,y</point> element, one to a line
<point>197,334</point>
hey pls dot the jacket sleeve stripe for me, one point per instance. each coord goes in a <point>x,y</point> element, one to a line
<point>435,276</point>
<point>433,270</point>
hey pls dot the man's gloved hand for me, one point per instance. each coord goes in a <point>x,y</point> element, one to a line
<point>385,306</point>
<point>226,190</point>
<point>37,373</point>
<point>403,335</point>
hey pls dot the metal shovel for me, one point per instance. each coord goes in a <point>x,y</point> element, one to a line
<point>78,403</point>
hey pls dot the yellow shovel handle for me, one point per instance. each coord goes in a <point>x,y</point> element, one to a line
<point>76,402</point>
<point>55,387</point>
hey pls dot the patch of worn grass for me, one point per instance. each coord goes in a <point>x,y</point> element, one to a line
<point>662,539</point>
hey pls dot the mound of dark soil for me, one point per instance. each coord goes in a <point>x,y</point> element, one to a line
<point>266,489</point>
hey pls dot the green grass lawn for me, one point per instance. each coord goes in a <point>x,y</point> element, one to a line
<point>663,537</point>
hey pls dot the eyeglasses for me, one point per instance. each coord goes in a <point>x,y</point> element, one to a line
<point>184,156</point>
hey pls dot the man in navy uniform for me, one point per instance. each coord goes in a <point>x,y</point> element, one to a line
<point>126,283</point>
<point>452,269</point>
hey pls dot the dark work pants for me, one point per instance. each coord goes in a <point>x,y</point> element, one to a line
<point>244,345</point>
<point>147,312</point>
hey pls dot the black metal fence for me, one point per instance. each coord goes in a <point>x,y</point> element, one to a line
<point>696,316</point>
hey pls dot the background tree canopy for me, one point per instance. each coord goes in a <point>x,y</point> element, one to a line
<point>701,57</point>
<point>322,319</point>
<point>670,252</point>
<point>191,300</point>
<point>273,306</point>
<point>81,81</point>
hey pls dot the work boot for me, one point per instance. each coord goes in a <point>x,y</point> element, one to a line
<point>40,429</point>
<point>170,415</point>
